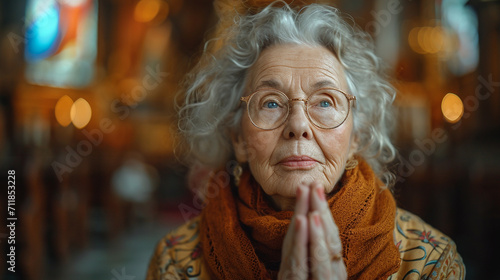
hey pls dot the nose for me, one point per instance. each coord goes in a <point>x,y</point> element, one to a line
<point>298,124</point>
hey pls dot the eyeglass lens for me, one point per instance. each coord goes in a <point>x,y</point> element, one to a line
<point>268,109</point>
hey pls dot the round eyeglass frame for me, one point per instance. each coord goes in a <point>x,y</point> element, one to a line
<point>348,96</point>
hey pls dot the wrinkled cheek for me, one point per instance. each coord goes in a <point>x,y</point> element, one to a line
<point>253,148</point>
<point>260,149</point>
<point>336,158</point>
<point>258,145</point>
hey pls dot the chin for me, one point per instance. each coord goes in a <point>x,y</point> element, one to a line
<point>291,181</point>
<point>284,183</point>
<point>303,177</point>
<point>286,186</point>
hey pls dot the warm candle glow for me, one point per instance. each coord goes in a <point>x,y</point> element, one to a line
<point>452,107</point>
<point>428,40</point>
<point>81,113</point>
<point>62,110</point>
<point>146,10</point>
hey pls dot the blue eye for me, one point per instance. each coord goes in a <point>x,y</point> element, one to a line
<point>271,105</point>
<point>325,104</point>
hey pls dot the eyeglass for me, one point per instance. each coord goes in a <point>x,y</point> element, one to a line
<point>326,108</point>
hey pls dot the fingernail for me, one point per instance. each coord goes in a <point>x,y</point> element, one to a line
<point>321,193</point>
<point>316,219</point>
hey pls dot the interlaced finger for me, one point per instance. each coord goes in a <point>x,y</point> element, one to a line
<point>331,235</point>
<point>294,252</point>
<point>321,267</point>
<point>319,204</point>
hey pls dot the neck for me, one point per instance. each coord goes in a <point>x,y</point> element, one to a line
<point>280,203</point>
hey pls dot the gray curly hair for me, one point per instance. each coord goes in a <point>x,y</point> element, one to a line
<point>211,109</point>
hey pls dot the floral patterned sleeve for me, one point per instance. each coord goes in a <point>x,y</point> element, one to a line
<point>426,253</point>
<point>160,266</point>
<point>178,255</point>
<point>449,265</point>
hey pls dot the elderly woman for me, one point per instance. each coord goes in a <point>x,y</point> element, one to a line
<point>296,98</point>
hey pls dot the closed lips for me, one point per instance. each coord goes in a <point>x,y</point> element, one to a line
<point>298,162</point>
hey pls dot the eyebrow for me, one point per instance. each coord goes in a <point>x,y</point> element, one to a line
<point>325,83</point>
<point>275,84</point>
<point>268,83</point>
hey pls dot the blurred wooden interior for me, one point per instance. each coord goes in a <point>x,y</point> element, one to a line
<point>91,128</point>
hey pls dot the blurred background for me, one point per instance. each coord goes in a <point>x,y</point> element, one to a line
<point>87,122</point>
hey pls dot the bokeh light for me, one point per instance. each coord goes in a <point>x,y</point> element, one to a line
<point>81,113</point>
<point>452,107</point>
<point>437,36</point>
<point>63,110</point>
<point>146,10</point>
<point>429,40</point>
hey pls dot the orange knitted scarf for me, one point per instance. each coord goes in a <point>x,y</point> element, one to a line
<point>242,235</point>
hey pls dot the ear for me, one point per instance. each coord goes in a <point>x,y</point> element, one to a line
<point>239,147</point>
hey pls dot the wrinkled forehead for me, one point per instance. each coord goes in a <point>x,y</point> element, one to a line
<point>312,65</point>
